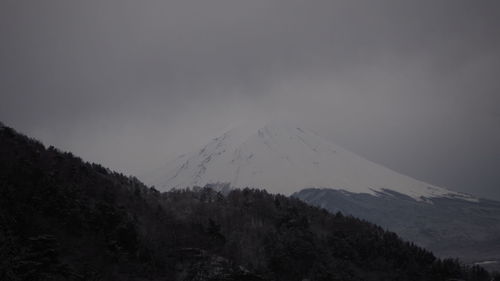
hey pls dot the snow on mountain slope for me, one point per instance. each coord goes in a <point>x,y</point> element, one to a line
<point>285,159</point>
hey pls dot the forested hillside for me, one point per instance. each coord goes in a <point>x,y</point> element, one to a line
<point>65,219</point>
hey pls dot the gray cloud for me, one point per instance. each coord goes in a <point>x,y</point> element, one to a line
<point>410,84</point>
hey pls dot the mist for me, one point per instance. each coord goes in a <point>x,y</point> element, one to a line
<point>412,85</point>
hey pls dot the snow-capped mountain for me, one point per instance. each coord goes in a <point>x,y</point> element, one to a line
<point>285,159</point>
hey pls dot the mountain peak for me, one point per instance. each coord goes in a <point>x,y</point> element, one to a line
<point>283,158</point>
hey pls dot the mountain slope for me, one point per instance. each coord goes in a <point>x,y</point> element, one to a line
<point>285,159</point>
<point>448,227</point>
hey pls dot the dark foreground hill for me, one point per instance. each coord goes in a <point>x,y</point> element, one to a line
<point>64,219</point>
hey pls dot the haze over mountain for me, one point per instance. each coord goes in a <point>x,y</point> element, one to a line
<point>285,159</point>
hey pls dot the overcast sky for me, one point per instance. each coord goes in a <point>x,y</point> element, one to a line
<point>413,85</point>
